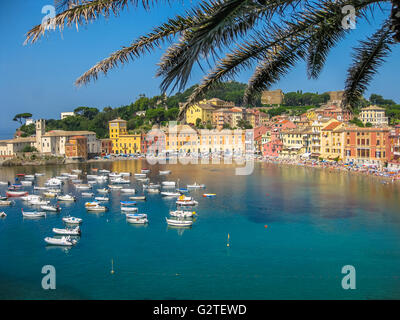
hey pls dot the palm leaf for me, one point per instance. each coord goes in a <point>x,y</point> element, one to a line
<point>369,55</point>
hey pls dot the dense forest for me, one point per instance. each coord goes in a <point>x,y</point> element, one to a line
<point>160,109</point>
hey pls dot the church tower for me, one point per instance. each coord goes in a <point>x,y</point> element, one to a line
<point>40,131</point>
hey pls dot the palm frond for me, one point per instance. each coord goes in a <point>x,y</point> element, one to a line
<point>81,12</point>
<point>142,45</point>
<point>369,55</point>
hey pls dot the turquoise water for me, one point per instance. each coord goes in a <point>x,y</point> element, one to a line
<point>317,222</point>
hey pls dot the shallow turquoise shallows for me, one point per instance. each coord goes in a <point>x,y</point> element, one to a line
<point>291,230</point>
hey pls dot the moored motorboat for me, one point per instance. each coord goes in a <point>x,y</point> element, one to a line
<point>38,202</point>
<point>120,181</point>
<point>51,208</point>
<point>63,241</point>
<point>179,223</point>
<point>182,213</point>
<point>26,183</point>
<point>137,220</point>
<point>72,232</point>
<point>129,209</point>
<point>196,186</point>
<point>209,195</point>
<point>153,190</point>
<point>103,190</point>
<point>83,186</point>
<point>91,204</point>
<point>97,208</point>
<point>125,174</point>
<point>140,175</point>
<point>170,194</point>
<point>145,170</point>
<point>5,202</point>
<point>126,190</point>
<point>50,194</point>
<point>168,183</point>
<point>87,194</point>
<point>164,172</point>
<point>186,201</point>
<point>72,220</point>
<point>112,187</point>
<point>66,197</point>
<point>102,199</point>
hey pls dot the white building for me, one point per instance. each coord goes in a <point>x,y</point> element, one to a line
<point>374,115</point>
<point>67,114</point>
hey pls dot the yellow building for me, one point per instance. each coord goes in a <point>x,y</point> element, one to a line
<point>296,142</point>
<point>200,110</point>
<point>122,142</point>
<point>332,141</point>
<point>181,139</point>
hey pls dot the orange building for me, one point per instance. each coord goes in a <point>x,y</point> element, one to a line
<point>366,145</point>
<point>76,147</point>
<point>106,146</point>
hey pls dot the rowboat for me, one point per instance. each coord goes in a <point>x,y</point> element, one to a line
<point>170,194</point>
<point>66,197</point>
<point>137,220</point>
<point>72,220</point>
<point>209,195</point>
<point>73,232</point>
<point>179,223</point>
<point>104,190</point>
<point>97,208</point>
<point>195,186</point>
<point>16,193</point>
<point>125,190</point>
<point>138,198</point>
<point>101,198</point>
<point>34,214</point>
<point>3,214</point>
<point>129,209</point>
<point>182,213</point>
<point>63,241</point>
<point>50,208</point>
<point>5,202</point>
<point>164,172</point>
<point>128,203</point>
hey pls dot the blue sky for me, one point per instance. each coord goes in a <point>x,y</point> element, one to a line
<point>39,78</point>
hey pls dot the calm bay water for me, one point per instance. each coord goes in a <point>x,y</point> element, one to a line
<point>291,231</point>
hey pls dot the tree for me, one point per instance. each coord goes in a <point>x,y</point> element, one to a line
<point>18,117</point>
<point>368,125</point>
<point>29,149</point>
<point>274,35</point>
<point>198,122</point>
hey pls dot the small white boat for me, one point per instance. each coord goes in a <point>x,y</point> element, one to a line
<point>3,183</point>
<point>40,188</point>
<point>66,197</point>
<point>164,172</point>
<point>145,170</point>
<point>26,183</point>
<point>129,209</point>
<point>73,232</point>
<point>72,220</point>
<point>63,241</point>
<point>102,199</point>
<point>196,186</point>
<point>92,176</point>
<point>104,190</point>
<point>38,202</point>
<point>143,179</point>
<point>136,215</point>
<point>34,214</point>
<point>126,190</point>
<point>30,197</point>
<point>97,208</point>
<point>16,193</point>
<point>101,178</point>
<point>91,204</point>
<point>137,198</point>
<point>83,186</point>
<point>186,201</point>
<point>3,214</point>
<point>119,181</point>
<point>182,213</point>
<point>29,176</point>
<point>104,171</point>
<point>125,174</point>
<point>51,208</point>
<point>5,202</point>
<point>53,182</point>
<point>170,194</point>
<point>168,183</point>
<point>76,171</point>
<point>179,223</point>
<point>140,175</point>
<point>114,187</point>
<point>153,190</point>
<point>137,220</point>
<point>39,174</point>
<point>87,194</point>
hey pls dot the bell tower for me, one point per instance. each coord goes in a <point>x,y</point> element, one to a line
<point>40,131</point>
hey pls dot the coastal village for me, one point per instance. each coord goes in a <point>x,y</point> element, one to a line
<point>322,134</point>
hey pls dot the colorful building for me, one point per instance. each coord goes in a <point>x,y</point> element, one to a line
<point>106,146</point>
<point>332,141</point>
<point>122,142</point>
<point>201,110</point>
<point>335,112</point>
<point>76,148</point>
<point>369,146</point>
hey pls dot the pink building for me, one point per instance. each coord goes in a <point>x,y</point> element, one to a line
<point>274,146</point>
